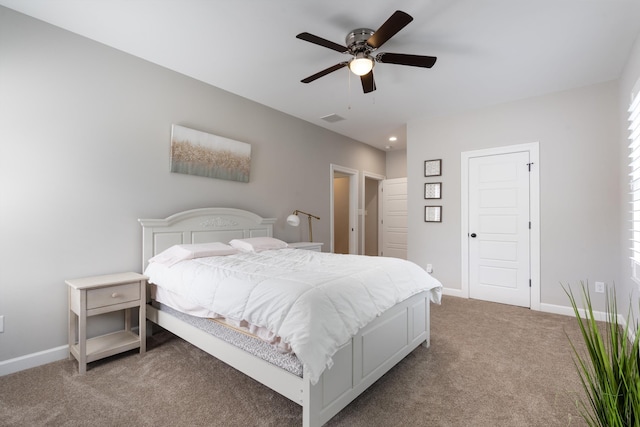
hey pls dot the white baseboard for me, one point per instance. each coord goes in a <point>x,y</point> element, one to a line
<point>34,359</point>
<point>453,292</point>
<point>567,310</point>
<point>600,316</point>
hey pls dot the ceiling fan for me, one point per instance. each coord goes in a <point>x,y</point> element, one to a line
<point>361,45</point>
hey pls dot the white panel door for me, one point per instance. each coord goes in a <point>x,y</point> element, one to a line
<point>499,264</point>
<point>394,218</point>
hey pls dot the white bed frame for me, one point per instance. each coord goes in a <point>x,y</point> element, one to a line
<point>370,354</point>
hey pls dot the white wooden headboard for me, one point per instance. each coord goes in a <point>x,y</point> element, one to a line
<point>201,226</point>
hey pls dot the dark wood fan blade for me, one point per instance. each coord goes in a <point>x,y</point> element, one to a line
<point>325,72</point>
<point>322,42</point>
<point>395,23</point>
<point>368,83</point>
<point>406,59</point>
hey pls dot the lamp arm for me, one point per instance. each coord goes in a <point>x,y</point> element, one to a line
<point>296,212</point>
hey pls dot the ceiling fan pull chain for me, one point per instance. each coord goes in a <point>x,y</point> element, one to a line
<point>349,87</point>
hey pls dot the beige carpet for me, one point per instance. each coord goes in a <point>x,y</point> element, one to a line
<point>488,365</point>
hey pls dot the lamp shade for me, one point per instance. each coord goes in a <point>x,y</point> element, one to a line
<point>361,65</point>
<point>293,220</point>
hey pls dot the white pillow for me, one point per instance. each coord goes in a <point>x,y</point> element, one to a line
<point>257,244</point>
<point>177,253</point>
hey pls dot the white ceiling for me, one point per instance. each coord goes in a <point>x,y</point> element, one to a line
<point>489,51</point>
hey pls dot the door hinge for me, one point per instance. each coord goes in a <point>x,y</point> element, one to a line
<point>529,165</point>
<point>529,225</point>
<point>529,282</point>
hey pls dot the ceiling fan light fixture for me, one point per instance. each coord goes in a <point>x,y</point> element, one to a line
<point>361,65</point>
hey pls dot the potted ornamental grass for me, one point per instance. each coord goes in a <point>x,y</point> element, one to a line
<point>608,366</point>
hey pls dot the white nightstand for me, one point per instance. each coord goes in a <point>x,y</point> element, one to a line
<point>90,296</point>
<point>310,246</point>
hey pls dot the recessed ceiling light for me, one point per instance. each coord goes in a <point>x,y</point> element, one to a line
<point>387,147</point>
<point>393,139</point>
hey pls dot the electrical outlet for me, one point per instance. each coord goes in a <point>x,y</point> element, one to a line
<point>1,324</point>
<point>600,287</point>
<point>429,268</point>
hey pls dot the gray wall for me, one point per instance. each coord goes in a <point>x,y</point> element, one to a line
<point>84,153</point>
<point>578,132</point>
<point>396,164</point>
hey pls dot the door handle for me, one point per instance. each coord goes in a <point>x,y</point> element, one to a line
<point>473,235</point>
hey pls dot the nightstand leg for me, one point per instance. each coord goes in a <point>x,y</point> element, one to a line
<point>142,324</point>
<point>127,319</point>
<point>82,334</point>
<point>72,326</point>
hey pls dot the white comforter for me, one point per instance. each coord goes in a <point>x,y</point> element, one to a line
<point>314,301</point>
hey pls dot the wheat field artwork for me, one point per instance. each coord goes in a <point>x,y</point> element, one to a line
<point>204,154</point>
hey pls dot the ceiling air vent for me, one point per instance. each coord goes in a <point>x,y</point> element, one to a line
<point>332,118</point>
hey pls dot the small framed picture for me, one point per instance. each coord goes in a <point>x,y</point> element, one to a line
<point>433,214</point>
<point>433,167</point>
<point>433,190</point>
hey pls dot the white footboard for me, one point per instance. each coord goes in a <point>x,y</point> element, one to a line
<point>371,353</point>
<point>358,364</point>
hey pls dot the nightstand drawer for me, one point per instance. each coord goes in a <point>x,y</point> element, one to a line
<point>111,295</point>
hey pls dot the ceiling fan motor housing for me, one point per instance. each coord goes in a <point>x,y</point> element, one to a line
<point>356,41</point>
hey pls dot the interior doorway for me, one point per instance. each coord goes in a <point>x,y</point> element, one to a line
<point>344,210</point>
<point>371,214</point>
<point>341,213</point>
<point>500,225</point>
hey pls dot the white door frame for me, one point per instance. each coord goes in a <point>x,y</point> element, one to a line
<point>379,178</point>
<point>534,214</point>
<point>353,206</point>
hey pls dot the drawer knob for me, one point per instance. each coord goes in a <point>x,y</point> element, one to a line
<point>115,295</point>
